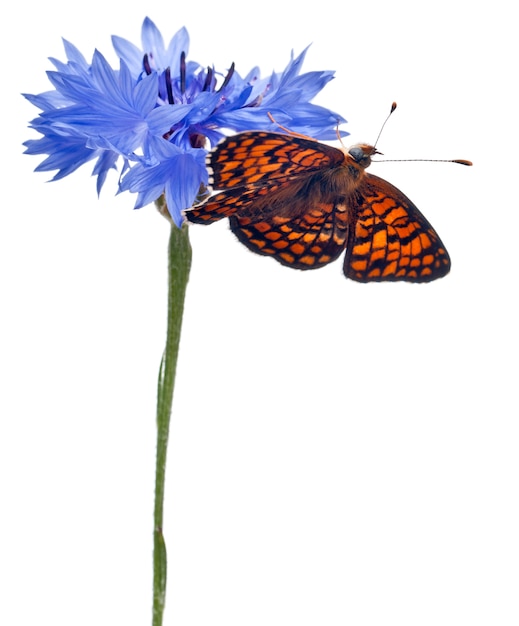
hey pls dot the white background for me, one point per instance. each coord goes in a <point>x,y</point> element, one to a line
<point>340,453</point>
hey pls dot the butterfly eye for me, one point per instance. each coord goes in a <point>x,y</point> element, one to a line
<point>360,156</point>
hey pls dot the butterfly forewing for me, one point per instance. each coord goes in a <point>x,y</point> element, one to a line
<point>253,159</point>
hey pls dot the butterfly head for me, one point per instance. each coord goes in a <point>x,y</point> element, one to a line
<point>361,154</point>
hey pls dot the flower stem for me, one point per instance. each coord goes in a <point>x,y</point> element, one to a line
<point>179,264</point>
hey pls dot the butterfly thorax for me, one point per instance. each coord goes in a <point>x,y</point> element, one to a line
<point>339,182</point>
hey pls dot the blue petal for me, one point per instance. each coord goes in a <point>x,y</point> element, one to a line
<point>153,45</point>
<point>179,175</point>
<point>179,43</point>
<point>74,56</point>
<point>183,185</point>
<point>152,41</point>
<point>129,53</point>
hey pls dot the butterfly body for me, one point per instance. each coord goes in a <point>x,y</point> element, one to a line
<point>304,203</point>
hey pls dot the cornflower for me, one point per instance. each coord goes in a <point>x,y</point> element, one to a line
<point>153,119</point>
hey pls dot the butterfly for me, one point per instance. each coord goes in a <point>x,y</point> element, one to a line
<point>303,203</point>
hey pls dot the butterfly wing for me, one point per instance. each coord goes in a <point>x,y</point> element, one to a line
<point>307,241</point>
<point>253,169</point>
<point>252,159</point>
<point>390,239</point>
<point>243,200</point>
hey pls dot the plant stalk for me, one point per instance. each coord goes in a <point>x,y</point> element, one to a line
<point>179,265</point>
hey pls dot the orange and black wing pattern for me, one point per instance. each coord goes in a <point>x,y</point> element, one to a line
<point>390,239</point>
<point>303,203</point>
<point>259,158</point>
<point>306,241</point>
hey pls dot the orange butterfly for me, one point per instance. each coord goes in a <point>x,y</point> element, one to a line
<point>304,202</point>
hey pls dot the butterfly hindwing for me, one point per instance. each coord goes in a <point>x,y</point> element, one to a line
<point>307,241</point>
<point>390,239</point>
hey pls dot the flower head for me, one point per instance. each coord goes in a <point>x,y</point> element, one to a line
<point>156,115</point>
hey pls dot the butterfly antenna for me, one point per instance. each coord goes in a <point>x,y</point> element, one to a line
<point>460,161</point>
<point>393,108</point>
<point>338,133</point>
<point>287,130</point>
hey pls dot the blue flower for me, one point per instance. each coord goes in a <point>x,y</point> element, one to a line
<point>157,114</point>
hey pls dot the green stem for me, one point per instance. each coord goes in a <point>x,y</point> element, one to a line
<point>179,264</point>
